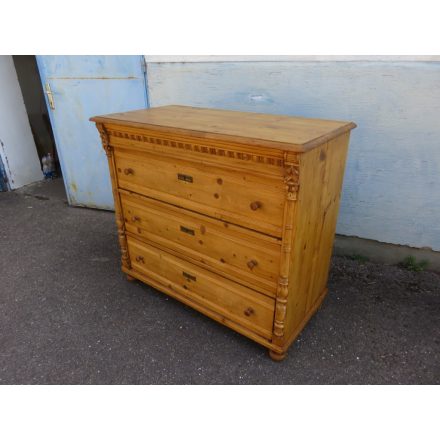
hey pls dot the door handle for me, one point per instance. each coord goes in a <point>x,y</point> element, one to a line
<point>49,94</point>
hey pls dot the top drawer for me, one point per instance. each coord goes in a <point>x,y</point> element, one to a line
<point>253,201</point>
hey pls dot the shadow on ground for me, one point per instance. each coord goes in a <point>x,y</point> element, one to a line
<point>68,315</point>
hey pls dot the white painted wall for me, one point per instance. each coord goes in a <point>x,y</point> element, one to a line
<point>17,146</point>
<point>392,182</point>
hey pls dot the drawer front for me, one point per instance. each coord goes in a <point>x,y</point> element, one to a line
<point>253,201</point>
<point>252,259</point>
<point>237,303</point>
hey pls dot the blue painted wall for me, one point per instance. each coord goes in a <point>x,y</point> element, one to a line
<point>392,182</point>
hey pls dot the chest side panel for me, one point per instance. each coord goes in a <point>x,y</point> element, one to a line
<point>321,176</point>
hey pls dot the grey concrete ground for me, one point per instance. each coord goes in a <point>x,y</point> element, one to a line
<point>68,315</point>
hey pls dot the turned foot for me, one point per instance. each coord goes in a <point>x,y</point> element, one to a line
<point>277,356</point>
<point>130,278</point>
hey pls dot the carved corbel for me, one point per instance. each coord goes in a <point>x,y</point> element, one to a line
<point>291,179</point>
<point>104,139</point>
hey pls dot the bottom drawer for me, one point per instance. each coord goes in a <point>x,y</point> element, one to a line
<point>234,301</point>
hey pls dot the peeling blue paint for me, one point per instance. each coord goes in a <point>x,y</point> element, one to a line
<point>85,86</point>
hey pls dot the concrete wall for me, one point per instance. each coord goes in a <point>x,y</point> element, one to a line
<point>392,182</point>
<point>17,148</point>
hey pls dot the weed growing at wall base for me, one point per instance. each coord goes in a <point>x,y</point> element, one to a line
<point>411,263</point>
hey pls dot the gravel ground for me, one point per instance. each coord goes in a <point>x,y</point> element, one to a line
<point>68,315</point>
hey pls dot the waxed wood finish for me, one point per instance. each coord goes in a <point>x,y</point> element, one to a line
<point>243,305</point>
<point>314,227</point>
<point>231,213</point>
<point>219,245</point>
<point>211,190</point>
<point>271,131</point>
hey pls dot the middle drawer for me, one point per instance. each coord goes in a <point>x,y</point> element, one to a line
<point>244,256</point>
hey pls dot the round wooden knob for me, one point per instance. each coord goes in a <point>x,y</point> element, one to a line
<point>249,311</point>
<point>128,171</point>
<point>140,259</point>
<point>135,218</point>
<point>251,264</point>
<point>255,205</point>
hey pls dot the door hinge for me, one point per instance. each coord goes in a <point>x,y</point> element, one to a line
<point>49,94</point>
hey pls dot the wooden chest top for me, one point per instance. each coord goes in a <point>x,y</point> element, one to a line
<point>288,133</point>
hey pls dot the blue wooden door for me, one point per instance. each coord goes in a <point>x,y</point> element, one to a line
<point>81,87</point>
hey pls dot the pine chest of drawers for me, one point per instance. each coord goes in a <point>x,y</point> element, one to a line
<point>231,213</point>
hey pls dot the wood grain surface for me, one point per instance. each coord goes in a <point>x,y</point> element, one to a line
<point>293,133</point>
<point>240,232</point>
